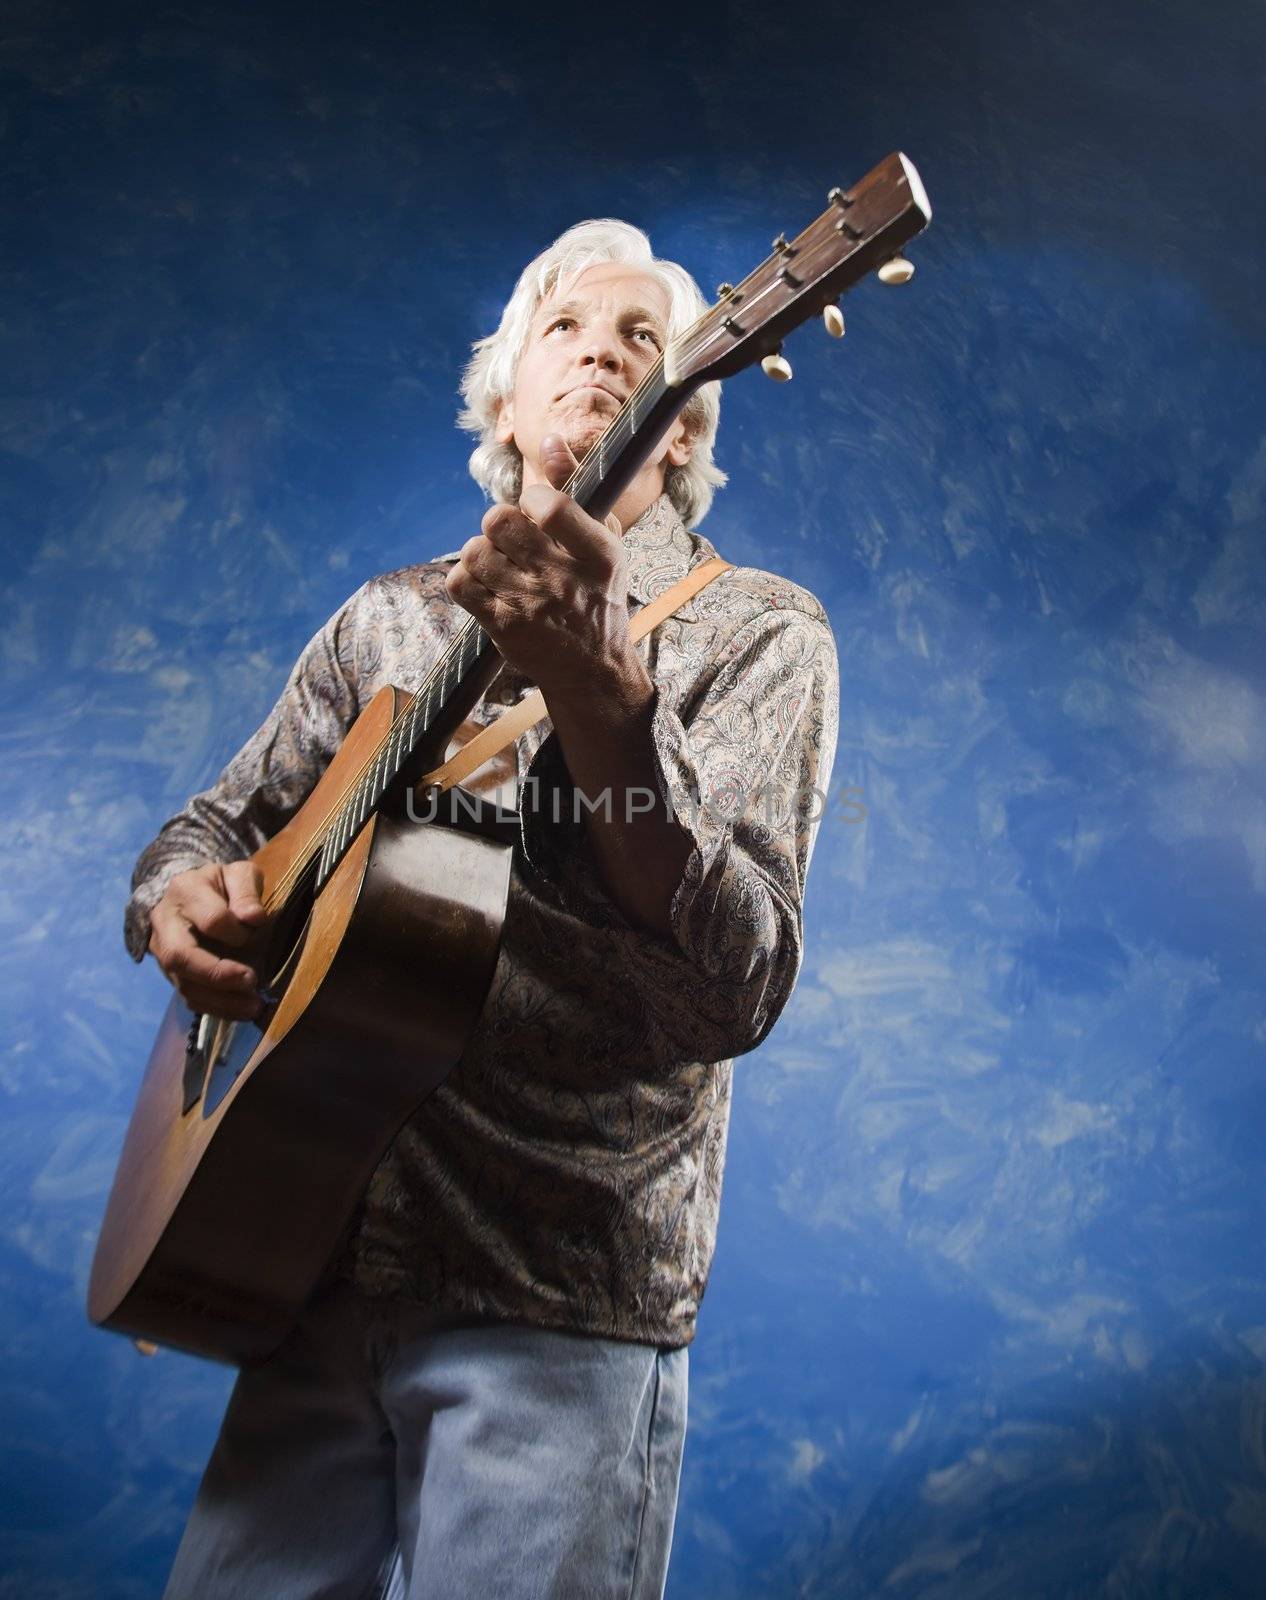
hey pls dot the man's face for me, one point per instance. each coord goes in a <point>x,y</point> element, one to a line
<point>590,344</point>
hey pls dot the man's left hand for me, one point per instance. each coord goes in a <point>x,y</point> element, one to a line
<point>549,586</point>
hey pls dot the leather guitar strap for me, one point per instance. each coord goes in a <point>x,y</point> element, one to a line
<point>510,724</point>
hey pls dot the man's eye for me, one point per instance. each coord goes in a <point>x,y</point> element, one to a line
<point>648,333</point>
<point>560,322</point>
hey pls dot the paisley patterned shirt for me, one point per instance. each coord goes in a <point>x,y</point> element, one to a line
<point>568,1171</point>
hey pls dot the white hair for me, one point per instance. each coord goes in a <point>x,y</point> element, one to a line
<point>489,377</point>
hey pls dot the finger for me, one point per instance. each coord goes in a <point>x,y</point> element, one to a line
<point>192,964</point>
<point>243,885</point>
<point>465,590</point>
<point>564,521</point>
<point>557,461</point>
<point>613,522</point>
<point>203,904</point>
<point>498,574</point>
<point>517,537</point>
<point>174,946</point>
<point>218,1003</point>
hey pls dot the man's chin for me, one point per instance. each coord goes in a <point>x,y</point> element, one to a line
<point>582,436</point>
<point>579,430</point>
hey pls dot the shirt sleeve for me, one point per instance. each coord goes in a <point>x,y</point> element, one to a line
<point>266,781</point>
<point>744,769</point>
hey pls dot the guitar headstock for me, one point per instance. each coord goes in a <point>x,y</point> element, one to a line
<point>862,229</point>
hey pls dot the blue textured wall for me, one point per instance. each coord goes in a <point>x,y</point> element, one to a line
<point>989,1311</point>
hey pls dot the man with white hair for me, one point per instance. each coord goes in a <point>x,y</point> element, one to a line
<point>488,1397</point>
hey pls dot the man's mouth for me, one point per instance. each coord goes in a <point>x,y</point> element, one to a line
<point>591,388</point>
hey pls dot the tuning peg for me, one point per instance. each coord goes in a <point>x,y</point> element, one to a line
<point>896,270</point>
<point>833,318</point>
<point>724,291</point>
<point>776,366</point>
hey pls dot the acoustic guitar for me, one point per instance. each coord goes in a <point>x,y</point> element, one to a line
<point>251,1143</point>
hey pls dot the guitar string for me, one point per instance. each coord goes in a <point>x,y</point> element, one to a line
<point>689,347</point>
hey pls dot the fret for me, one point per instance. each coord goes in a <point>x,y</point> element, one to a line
<point>426,716</point>
<point>378,772</point>
<point>394,745</point>
<point>341,832</point>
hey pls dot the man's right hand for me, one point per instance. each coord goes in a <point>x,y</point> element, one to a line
<point>220,903</point>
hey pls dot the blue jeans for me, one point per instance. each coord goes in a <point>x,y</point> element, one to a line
<point>378,1455</point>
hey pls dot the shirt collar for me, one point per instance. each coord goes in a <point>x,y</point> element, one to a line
<point>661,549</point>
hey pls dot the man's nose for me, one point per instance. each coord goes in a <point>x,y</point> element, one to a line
<point>601,348</point>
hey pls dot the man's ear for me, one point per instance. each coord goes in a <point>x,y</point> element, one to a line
<point>681,444</point>
<point>504,428</point>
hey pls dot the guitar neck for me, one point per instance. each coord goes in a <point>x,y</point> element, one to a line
<point>470,661</point>
<point>613,463</point>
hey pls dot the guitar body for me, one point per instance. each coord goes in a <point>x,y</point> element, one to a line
<point>246,1157</point>
<point>248,1150</point>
